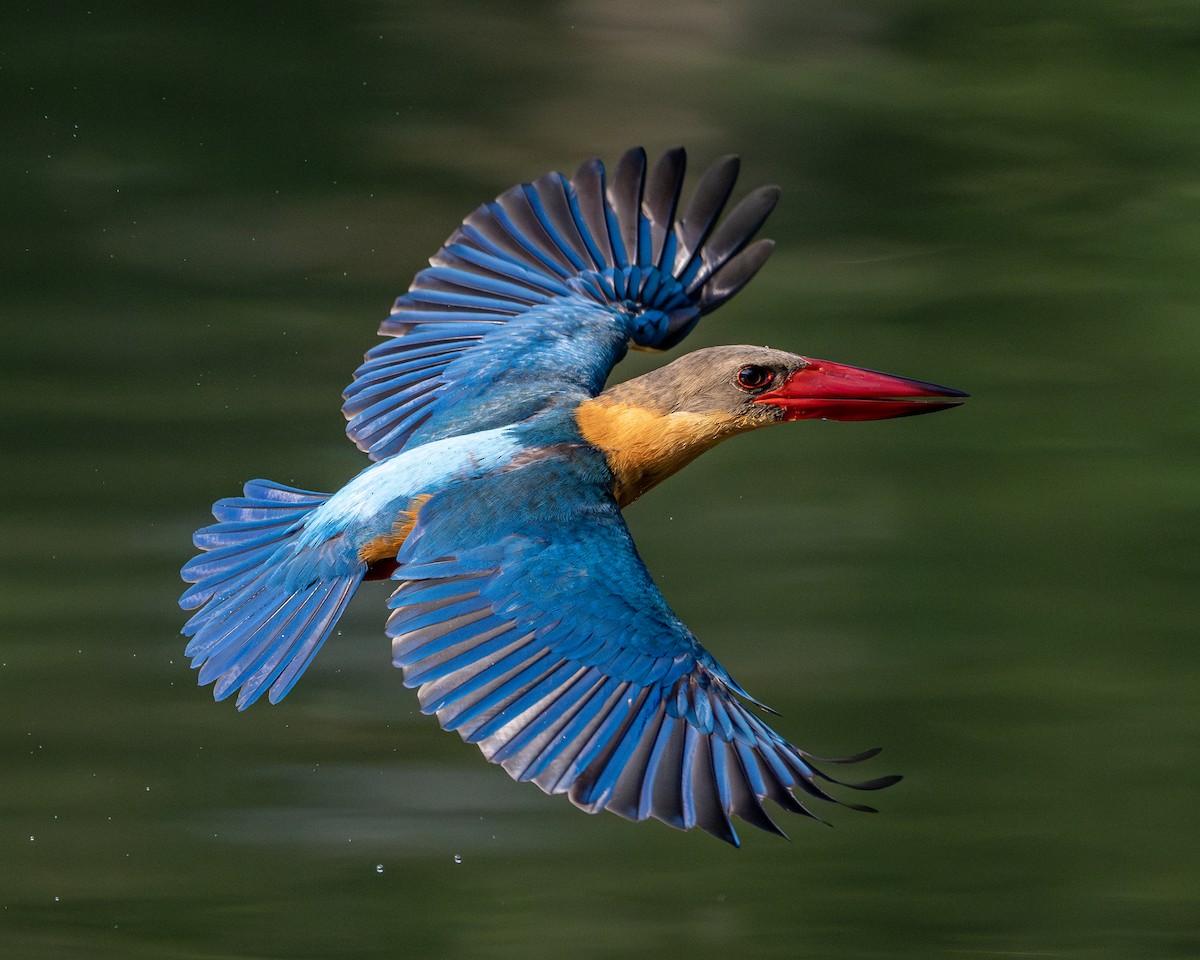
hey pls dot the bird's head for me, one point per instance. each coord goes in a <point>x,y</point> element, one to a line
<point>651,426</point>
<point>758,386</point>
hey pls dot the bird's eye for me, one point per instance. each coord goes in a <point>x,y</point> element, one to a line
<point>755,377</point>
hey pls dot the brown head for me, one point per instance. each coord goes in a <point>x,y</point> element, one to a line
<point>653,425</point>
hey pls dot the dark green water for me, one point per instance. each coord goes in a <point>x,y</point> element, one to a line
<point>208,209</point>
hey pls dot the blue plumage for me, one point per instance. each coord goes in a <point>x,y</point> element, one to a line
<point>481,634</point>
<point>527,271</point>
<point>261,621</point>
<point>522,612</point>
<point>281,565</point>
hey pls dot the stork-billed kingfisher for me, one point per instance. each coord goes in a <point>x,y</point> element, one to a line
<point>522,611</point>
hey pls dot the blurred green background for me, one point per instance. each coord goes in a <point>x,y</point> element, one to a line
<point>207,210</point>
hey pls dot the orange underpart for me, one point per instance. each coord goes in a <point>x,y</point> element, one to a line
<point>380,554</point>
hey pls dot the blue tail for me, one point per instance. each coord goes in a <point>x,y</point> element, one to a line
<point>266,603</point>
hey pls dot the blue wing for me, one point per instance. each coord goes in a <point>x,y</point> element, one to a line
<point>541,290</point>
<point>560,658</point>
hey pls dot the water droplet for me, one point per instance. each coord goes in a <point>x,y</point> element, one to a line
<point>457,856</point>
<point>379,868</point>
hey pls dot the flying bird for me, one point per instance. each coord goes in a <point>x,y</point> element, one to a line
<point>522,612</point>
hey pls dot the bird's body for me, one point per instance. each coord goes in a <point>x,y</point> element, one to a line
<point>523,613</point>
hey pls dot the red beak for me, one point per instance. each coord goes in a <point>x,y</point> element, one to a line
<point>833,391</point>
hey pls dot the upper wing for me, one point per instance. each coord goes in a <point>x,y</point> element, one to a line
<point>547,643</point>
<point>543,288</point>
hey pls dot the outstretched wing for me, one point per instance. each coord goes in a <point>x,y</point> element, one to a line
<point>540,291</point>
<point>546,643</point>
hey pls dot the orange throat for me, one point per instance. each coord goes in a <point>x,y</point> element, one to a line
<point>643,446</point>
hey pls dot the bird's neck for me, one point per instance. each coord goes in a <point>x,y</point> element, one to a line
<point>643,446</point>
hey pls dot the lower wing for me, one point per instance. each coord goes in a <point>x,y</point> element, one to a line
<point>549,646</point>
